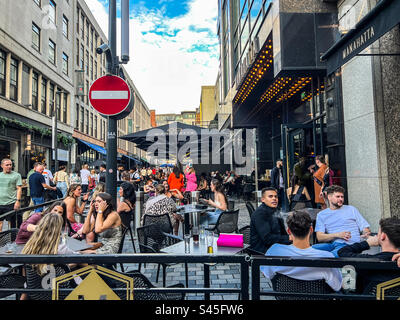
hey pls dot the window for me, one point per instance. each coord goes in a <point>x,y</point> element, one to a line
<point>82,27</point>
<point>77,19</point>
<point>65,27</point>
<point>52,52</point>
<point>51,99</point>
<point>77,117</point>
<point>255,9</point>
<point>2,73</point>
<point>35,37</point>
<point>91,41</point>
<point>95,69</point>
<point>14,79</point>
<point>52,11</point>
<point>91,68</point>
<point>87,63</point>
<point>58,105</point>
<point>43,96</point>
<point>35,87</point>
<point>65,64</point>
<point>77,52</point>
<point>37,2</point>
<point>82,57</point>
<point>87,122</point>
<point>82,119</point>
<point>87,33</point>
<point>95,43</point>
<point>87,92</point>
<point>65,108</point>
<point>91,124</point>
<point>95,126</point>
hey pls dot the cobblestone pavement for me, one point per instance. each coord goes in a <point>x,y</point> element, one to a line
<point>221,275</point>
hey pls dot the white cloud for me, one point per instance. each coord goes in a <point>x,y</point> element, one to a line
<point>170,70</point>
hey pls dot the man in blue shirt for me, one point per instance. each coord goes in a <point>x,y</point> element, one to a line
<point>37,184</point>
<point>339,225</point>
<point>300,229</point>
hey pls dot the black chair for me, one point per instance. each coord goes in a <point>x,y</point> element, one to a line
<point>231,205</point>
<point>34,281</point>
<point>8,236</point>
<point>141,281</point>
<point>227,222</point>
<point>245,231</point>
<point>121,245</point>
<point>163,220</point>
<point>250,208</point>
<point>11,279</point>
<point>282,283</point>
<point>126,219</point>
<point>151,240</point>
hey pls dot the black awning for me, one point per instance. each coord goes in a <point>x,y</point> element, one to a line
<point>381,19</point>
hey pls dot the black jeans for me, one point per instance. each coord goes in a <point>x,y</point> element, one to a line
<point>8,208</point>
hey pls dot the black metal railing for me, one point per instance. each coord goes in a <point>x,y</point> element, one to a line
<point>242,260</point>
<point>14,213</point>
<point>358,263</point>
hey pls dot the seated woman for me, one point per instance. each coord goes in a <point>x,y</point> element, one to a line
<point>220,203</point>
<point>149,188</point>
<point>31,224</point>
<point>297,194</point>
<point>174,194</point>
<point>74,192</point>
<point>106,223</point>
<point>126,203</point>
<point>160,204</point>
<point>203,186</point>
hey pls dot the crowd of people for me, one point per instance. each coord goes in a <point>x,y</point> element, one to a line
<point>341,230</point>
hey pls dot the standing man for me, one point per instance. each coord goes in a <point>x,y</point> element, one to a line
<point>48,176</point>
<point>318,176</point>
<point>266,226</point>
<point>10,192</point>
<point>103,173</point>
<point>85,176</point>
<point>119,172</point>
<point>339,225</point>
<point>37,185</point>
<point>136,179</point>
<point>277,181</point>
<point>143,172</point>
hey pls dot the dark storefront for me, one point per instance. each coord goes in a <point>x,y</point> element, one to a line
<point>285,95</point>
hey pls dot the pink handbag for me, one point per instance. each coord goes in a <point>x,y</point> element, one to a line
<point>230,240</point>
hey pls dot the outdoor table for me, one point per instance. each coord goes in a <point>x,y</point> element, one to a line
<point>189,209</point>
<point>199,249</point>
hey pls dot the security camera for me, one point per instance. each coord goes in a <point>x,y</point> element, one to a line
<point>103,48</point>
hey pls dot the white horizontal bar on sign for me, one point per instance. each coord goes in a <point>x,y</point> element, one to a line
<point>109,95</point>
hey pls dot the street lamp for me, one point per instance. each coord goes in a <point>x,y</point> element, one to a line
<point>54,144</point>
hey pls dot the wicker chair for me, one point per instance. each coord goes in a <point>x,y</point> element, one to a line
<point>282,283</point>
<point>227,222</point>
<point>8,236</point>
<point>163,220</point>
<point>250,208</point>
<point>245,231</point>
<point>11,280</point>
<point>34,281</point>
<point>140,281</point>
<point>151,240</point>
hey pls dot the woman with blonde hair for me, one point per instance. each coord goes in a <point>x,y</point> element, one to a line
<point>62,180</point>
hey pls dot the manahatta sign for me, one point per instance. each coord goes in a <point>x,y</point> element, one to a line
<point>383,18</point>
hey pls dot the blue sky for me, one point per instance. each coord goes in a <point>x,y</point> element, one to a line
<point>174,49</point>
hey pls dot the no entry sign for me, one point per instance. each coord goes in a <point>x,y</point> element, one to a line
<point>110,95</point>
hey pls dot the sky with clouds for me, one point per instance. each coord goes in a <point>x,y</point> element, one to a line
<point>173,49</point>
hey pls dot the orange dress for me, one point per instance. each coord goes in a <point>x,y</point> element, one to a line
<point>174,182</point>
<point>319,174</point>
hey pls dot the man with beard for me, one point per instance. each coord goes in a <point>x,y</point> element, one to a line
<point>339,225</point>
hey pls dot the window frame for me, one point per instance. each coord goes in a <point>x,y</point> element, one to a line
<point>54,62</point>
<point>37,48</point>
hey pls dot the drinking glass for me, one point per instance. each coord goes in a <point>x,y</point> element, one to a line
<point>210,242</point>
<point>195,232</point>
<point>187,243</point>
<point>202,233</point>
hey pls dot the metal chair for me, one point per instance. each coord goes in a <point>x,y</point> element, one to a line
<point>282,283</point>
<point>127,218</point>
<point>231,205</point>
<point>141,281</point>
<point>163,220</point>
<point>8,236</point>
<point>151,240</point>
<point>250,208</point>
<point>245,231</point>
<point>34,281</point>
<point>227,222</point>
<point>11,280</point>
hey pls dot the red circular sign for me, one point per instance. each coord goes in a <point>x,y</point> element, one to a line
<point>110,95</point>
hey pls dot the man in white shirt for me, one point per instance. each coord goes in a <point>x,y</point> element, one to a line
<point>339,225</point>
<point>48,176</point>
<point>300,229</point>
<point>85,176</point>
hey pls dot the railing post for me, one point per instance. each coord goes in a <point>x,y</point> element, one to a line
<point>244,274</point>
<point>255,280</point>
